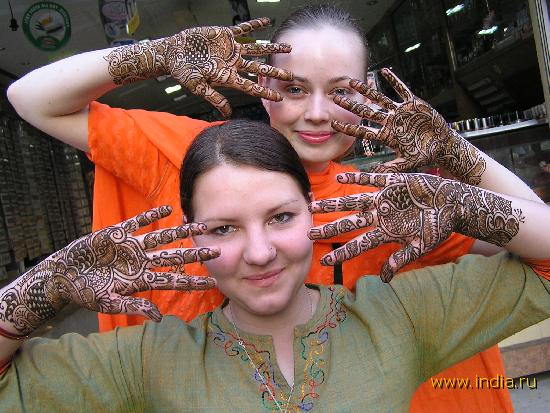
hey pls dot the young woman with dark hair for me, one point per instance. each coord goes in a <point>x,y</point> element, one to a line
<point>276,344</point>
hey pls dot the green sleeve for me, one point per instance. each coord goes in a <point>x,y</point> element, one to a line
<point>458,310</point>
<point>98,373</point>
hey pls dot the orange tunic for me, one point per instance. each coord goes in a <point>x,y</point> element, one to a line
<point>138,155</point>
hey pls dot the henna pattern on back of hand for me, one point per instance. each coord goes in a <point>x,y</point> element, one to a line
<point>100,270</point>
<point>419,211</point>
<point>199,58</point>
<point>416,131</point>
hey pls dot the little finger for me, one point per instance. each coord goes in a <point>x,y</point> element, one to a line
<point>398,260</point>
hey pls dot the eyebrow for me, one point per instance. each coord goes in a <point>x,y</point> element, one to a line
<point>270,211</point>
<point>332,80</point>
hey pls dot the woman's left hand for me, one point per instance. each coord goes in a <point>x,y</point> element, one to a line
<point>419,211</point>
<point>416,131</point>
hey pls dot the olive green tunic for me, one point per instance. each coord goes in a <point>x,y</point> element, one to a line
<point>366,352</point>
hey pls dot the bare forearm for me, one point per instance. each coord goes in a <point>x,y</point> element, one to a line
<point>470,165</point>
<point>79,80</point>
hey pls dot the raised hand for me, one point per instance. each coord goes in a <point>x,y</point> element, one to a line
<point>417,210</point>
<point>200,58</point>
<point>99,271</point>
<point>416,131</point>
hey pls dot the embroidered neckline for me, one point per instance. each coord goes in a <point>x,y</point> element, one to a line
<point>314,341</point>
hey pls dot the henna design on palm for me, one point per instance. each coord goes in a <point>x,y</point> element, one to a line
<point>416,131</point>
<point>200,58</point>
<point>417,210</point>
<point>100,270</point>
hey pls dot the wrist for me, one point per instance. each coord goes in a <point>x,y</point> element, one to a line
<point>462,159</point>
<point>487,216</point>
<point>30,300</point>
<point>140,61</point>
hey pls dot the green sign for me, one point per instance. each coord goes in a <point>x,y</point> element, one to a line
<point>47,25</point>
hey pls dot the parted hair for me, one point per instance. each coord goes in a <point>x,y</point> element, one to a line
<point>239,142</point>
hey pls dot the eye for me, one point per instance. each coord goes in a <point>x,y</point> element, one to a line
<point>223,230</point>
<point>341,91</point>
<point>281,218</point>
<point>294,90</point>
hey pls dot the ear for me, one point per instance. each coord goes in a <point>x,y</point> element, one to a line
<point>311,196</point>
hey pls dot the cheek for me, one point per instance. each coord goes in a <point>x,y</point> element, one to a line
<point>284,114</point>
<point>344,115</point>
<point>295,244</point>
<point>226,264</point>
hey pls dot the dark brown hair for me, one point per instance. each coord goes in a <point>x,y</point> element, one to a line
<point>239,142</point>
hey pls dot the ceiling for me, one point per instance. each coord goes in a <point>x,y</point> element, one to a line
<point>158,18</point>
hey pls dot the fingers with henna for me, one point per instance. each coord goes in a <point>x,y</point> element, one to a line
<point>393,166</point>
<point>366,178</point>
<point>262,69</point>
<point>342,225</point>
<point>358,131</point>
<point>135,306</point>
<point>146,218</point>
<point>253,89</point>
<point>165,236</point>
<point>179,256</point>
<point>250,26</point>
<point>361,110</point>
<point>355,247</point>
<point>398,260</point>
<point>257,49</point>
<point>216,99</point>
<point>166,280</point>
<point>373,95</point>
<point>356,202</point>
<point>396,83</point>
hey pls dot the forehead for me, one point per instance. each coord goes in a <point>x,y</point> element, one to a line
<point>323,51</point>
<point>238,192</point>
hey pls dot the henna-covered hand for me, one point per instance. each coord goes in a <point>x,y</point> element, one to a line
<point>417,210</point>
<point>416,131</point>
<point>99,271</point>
<point>200,58</point>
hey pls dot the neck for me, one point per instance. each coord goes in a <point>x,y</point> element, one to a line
<point>315,167</point>
<point>299,311</point>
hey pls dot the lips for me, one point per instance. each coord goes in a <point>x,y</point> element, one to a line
<point>315,138</point>
<point>265,279</point>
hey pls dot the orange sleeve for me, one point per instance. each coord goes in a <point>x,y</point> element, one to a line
<point>137,146</point>
<point>540,266</point>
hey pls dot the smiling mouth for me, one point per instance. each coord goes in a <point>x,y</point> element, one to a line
<point>315,138</point>
<point>265,279</point>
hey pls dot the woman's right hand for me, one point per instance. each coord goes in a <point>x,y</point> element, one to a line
<point>202,57</point>
<point>100,270</point>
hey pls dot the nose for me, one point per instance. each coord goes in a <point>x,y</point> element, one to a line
<point>318,108</point>
<point>259,249</point>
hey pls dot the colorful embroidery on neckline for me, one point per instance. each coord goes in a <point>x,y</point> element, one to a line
<point>314,350</point>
